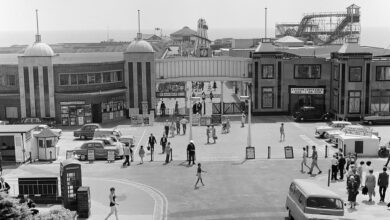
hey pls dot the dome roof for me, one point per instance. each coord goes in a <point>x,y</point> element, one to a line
<point>39,50</point>
<point>139,46</point>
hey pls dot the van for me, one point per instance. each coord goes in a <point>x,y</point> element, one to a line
<point>106,132</point>
<point>307,200</point>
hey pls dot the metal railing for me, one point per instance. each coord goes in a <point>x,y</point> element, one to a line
<point>53,190</point>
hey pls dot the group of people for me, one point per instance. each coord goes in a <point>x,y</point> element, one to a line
<point>314,159</point>
<point>175,126</point>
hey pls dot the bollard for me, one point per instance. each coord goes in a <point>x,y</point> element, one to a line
<point>51,157</point>
<point>326,151</point>
<point>171,155</point>
<point>328,177</point>
<point>269,152</point>
<point>30,157</point>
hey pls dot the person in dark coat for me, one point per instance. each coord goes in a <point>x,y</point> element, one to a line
<point>178,125</point>
<point>383,183</point>
<point>191,152</point>
<point>194,108</point>
<point>352,187</point>
<point>341,166</point>
<point>162,107</point>
<point>163,143</point>
<point>151,142</point>
<point>166,128</point>
<point>199,108</point>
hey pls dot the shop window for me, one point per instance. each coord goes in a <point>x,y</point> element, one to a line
<point>383,73</point>
<point>106,77</point>
<point>354,102</point>
<point>82,79</point>
<point>64,79</point>
<point>73,79</point>
<point>267,71</point>
<point>307,71</point>
<point>267,97</point>
<point>380,101</point>
<point>355,74</point>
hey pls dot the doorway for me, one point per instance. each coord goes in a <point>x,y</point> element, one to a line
<point>96,113</point>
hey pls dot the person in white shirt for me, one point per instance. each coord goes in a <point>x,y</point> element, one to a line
<point>335,163</point>
<point>304,159</point>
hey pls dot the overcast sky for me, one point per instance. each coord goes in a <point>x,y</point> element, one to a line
<point>174,14</point>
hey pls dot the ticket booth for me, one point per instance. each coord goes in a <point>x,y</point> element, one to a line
<point>70,173</point>
<point>47,141</point>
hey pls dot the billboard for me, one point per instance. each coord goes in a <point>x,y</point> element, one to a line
<point>171,90</point>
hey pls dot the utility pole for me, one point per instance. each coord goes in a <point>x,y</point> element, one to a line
<point>265,36</point>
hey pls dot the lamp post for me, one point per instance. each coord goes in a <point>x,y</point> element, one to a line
<point>249,138</point>
<point>192,99</point>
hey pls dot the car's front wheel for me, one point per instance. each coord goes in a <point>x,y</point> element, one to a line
<point>370,122</point>
<point>301,119</point>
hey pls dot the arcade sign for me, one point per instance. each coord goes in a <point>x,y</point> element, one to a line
<point>314,91</point>
<point>358,130</point>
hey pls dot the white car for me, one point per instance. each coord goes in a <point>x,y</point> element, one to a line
<point>334,125</point>
<point>112,141</point>
<point>55,130</point>
<point>333,136</point>
<point>377,118</point>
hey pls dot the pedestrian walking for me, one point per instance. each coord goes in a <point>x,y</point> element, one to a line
<point>335,163</point>
<point>352,187</point>
<point>4,186</point>
<point>199,108</point>
<point>360,171</point>
<point>199,172</point>
<point>282,136</point>
<point>113,204</point>
<point>304,160</point>
<point>228,125</point>
<point>353,172</point>
<point>341,165</point>
<point>126,152</point>
<point>314,160</point>
<point>162,108</point>
<point>152,141</point>
<point>178,126</point>
<point>172,129</point>
<point>183,123</point>
<point>168,152</point>
<point>166,128</point>
<point>208,133</point>
<point>163,143</point>
<point>141,153</point>
<point>191,152</point>
<point>214,134</point>
<point>383,183</point>
<point>370,183</point>
<point>176,108</point>
<point>388,160</point>
<point>243,116</point>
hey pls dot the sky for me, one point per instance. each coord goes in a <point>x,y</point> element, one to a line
<point>19,15</point>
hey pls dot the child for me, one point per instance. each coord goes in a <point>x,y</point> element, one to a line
<point>199,172</point>
<point>141,153</point>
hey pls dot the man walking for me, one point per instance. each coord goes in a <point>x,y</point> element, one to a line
<point>151,142</point>
<point>243,116</point>
<point>208,133</point>
<point>314,159</point>
<point>162,107</point>
<point>126,152</point>
<point>166,128</point>
<point>178,125</point>
<point>282,136</point>
<point>341,165</point>
<point>184,122</point>
<point>191,153</point>
<point>335,163</point>
<point>163,143</point>
<point>168,150</point>
<point>383,183</point>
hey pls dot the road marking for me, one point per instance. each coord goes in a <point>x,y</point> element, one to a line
<point>308,140</point>
<point>136,148</point>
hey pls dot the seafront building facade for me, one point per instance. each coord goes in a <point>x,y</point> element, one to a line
<point>77,88</point>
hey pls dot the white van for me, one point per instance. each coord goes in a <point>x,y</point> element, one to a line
<point>307,200</point>
<point>106,132</point>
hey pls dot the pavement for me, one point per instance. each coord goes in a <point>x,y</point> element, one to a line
<point>235,188</point>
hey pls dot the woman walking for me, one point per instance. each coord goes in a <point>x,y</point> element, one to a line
<point>113,204</point>
<point>352,187</point>
<point>141,153</point>
<point>304,159</point>
<point>370,184</point>
<point>199,172</point>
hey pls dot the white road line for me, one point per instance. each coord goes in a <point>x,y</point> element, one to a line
<point>143,134</point>
<point>308,140</point>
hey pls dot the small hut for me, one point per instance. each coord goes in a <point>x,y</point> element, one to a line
<point>47,141</point>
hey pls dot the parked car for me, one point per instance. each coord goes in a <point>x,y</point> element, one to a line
<point>306,200</point>
<point>55,130</point>
<point>128,140</point>
<point>101,149</point>
<point>106,132</point>
<point>311,113</point>
<point>334,125</point>
<point>377,118</point>
<point>47,121</point>
<point>112,141</point>
<point>86,131</point>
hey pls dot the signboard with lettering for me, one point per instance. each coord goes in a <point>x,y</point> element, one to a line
<point>358,130</point>
<point>91,155</point>
<point>69,154</point>
<point>288,152</point>
<point>110,155</point>
<point>171,90</point>
<point>250,153</point>
<point>314,91</point>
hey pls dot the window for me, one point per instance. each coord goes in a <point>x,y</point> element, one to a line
<point>106,77</point>
<point>335,99</point>
<point>267,71</point>
<point>119,76</point>
<point>91,78</point>
<point>82,79</point>
<point>307,71</point>
<point>382,73</point>
<point>380,101</point>
<point>355,74</point>
<point>64,79</point>
<point>324,203</point>
<point>354,101</point>
<point>267,97</point>
<point>336,72</point>
<point>10,80</point>
<point>98,77</point>
<point>73,79</point>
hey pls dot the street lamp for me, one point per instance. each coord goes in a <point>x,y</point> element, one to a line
<point>249,139</point>
<point>192,99</point>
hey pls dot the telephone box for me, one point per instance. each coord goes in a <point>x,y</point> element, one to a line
<point>70,173</point>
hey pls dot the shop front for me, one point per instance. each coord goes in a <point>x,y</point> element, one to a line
<point>75,113</point>
<point>306,96</point>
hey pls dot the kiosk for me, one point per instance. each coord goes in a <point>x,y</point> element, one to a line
<point>359,140</point>
<point>70,174</point>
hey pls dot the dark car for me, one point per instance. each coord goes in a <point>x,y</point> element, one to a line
<point>87,131</point>
<point>311,113</point>
<point>47,121</point>
<point>377,118</point>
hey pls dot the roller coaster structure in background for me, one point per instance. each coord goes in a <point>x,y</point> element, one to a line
<point>324,28</point>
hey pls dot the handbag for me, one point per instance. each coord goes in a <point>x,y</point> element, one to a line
<point>215,137</point>
<point>148,147</point>
<point>365,190</point>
